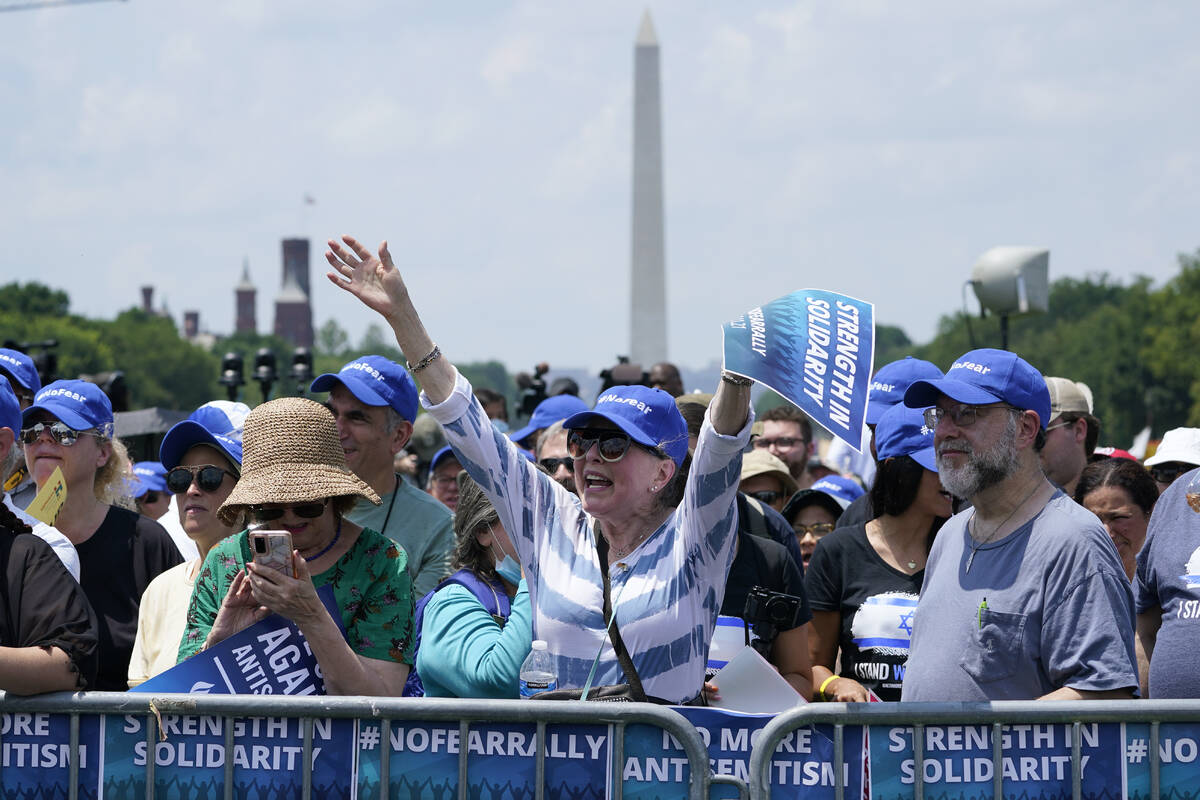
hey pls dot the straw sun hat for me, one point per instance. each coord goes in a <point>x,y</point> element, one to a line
<point>291,454</point>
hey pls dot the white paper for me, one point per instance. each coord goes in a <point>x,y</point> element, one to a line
<point>748,683</point>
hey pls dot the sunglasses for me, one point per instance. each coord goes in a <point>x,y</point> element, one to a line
<point>1167,474</point>
<point>207,477</point>
<point>612,445</point>
<point>61,432</point>
<point>816,529</point>
<point>149,497</point>
<point>766,497</point>
<point>305,510</point>
<point>552,464</point>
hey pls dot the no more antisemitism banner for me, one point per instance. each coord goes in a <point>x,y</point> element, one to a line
<point>814,348</point>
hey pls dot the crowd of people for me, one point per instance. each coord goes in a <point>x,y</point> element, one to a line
<point>985,547</point>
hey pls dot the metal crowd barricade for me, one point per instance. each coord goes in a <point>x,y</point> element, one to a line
<point>386,711</point>
<point>997,714</point>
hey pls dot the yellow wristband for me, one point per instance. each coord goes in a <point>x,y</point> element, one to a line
<point>825,683</point>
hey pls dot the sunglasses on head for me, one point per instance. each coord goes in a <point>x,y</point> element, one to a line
<point>61,432</point>
<point>306,510</point>
<point>552,464</point>
<point>208,478</point>
<point>611,445</point>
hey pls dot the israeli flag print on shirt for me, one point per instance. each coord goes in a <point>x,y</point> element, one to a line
<point>884,623</point>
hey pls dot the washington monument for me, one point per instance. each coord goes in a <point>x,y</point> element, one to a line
<point>648,292</point>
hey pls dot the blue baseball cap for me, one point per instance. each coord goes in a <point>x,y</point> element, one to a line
<point>902,432</point>
<point>844,490</point>
<point>208,424</point>
<point>892,380</point>
<point>375,381</point>
<point>986,376</point>
<point>21,367</point>
<point>79,404</point>
<point>549,411</point>
<point>10,408</point>
<point>148,476</point>
<point>649,416</point>
<point>833,493</point>
<point>441,456</point>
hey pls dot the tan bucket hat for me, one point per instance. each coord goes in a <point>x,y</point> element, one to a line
<point>291,454</point>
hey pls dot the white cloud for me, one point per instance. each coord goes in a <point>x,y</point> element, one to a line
<point>509,59</point>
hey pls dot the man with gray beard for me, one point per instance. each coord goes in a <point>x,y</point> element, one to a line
<point>1024,596</point>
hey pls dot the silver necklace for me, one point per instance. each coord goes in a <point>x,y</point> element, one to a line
<point>621,552</point>
<point>995,530</point>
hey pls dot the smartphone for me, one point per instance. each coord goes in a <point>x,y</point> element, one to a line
<point>273,549</point>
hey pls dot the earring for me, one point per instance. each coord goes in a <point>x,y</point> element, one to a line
<point>654,488</point>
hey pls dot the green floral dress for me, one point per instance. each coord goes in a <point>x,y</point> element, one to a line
<point>370,583</point>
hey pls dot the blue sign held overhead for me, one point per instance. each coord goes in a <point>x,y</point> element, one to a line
<point>813,347</point>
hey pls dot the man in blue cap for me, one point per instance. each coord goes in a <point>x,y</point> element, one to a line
<point>148,488</point>
<point>374,402</point>
<point>25,382</point>
<point>1024,595</point>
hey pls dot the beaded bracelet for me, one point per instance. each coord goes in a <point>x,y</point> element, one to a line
<point>434,355</point>
<point>735,380</point>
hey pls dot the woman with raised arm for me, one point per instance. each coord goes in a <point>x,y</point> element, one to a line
<point>667,565</point>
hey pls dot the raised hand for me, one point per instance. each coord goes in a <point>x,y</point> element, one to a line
<point>371,278</point>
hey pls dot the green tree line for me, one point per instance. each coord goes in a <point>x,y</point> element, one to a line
<point>1134,344</point>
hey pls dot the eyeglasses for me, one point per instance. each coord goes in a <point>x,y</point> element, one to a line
<point>779,442</point>
<point>962,416</point>
<point>61,432</point>
<point>306,510</point>
<point>207,477</point>
<point>552,464</point>
<point>766,496</point>
<point>816,529</point>
<point>1167,473</point>
<point>612,445</point>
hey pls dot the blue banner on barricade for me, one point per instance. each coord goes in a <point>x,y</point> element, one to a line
<point>35,756</point>
<point>269,657</point>
<point>189,757</point>
<point>1036,762</point>
<point>1178,759</point>
<point>803,762</point>
<point>501,760</point>
<point>816,349</point>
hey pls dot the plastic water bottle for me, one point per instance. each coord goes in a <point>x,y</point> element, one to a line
<point>537,672</point>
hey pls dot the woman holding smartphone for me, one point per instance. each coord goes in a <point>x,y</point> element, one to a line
<point>295,481</point>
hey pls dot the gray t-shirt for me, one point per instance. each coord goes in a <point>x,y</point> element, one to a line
<point>1058,612</point>
<point>418,523</point>
<point>1168,577</point>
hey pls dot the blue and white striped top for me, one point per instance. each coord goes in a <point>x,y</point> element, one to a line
<point>666,593</point>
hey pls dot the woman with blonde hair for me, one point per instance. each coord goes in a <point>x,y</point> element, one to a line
<point>69,428</point>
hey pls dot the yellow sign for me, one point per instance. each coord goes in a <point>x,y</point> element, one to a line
<point>50,498</point>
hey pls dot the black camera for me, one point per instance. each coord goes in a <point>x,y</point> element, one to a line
<point>770,612</point>
<point>772,608</point>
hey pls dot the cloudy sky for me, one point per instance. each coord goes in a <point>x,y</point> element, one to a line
<point>869,147</point>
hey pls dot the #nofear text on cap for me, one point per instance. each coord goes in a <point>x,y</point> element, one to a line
<point>61,393</point>
<point>971,365</point>
<point>876,386</point>
<point>363,367</point>
<point>614,398</point>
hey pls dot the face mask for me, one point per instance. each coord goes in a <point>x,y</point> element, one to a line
<point>508,568</point>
